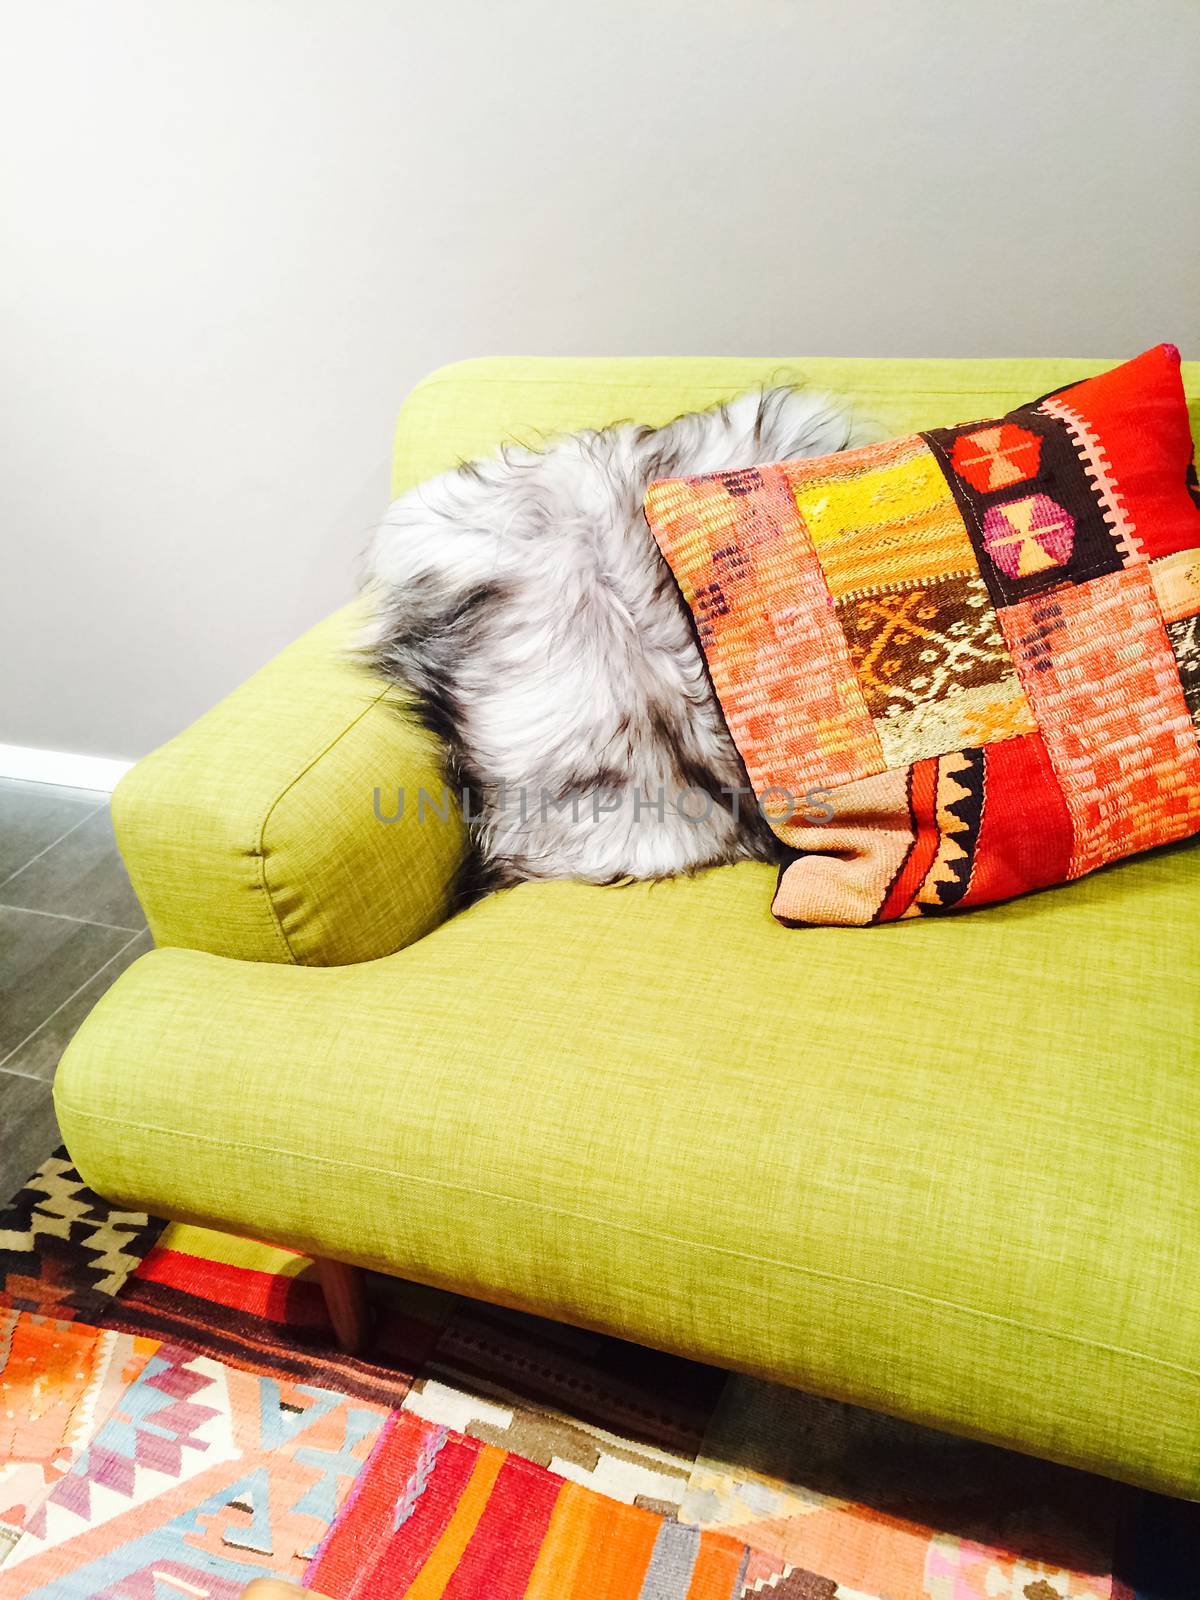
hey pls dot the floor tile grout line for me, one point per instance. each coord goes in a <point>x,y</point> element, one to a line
<point>28,1077</point>
<point>52,844</point>
<point>86,922</point>
<point>59,1007</point>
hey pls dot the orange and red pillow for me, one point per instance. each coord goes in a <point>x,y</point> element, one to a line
<point>964,664</point>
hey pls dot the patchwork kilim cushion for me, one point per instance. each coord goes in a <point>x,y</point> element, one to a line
<point>965,664</point>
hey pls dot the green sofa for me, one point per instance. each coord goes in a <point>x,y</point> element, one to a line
<point>948,1169</point>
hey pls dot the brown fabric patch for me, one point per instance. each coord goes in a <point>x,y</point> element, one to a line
<point>916,645</point>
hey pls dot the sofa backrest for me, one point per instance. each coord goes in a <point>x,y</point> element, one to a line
<point>468,408</point>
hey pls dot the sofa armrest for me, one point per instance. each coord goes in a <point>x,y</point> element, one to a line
<point>254,832</point>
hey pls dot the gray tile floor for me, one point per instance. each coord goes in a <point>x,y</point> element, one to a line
<point>69,924</point>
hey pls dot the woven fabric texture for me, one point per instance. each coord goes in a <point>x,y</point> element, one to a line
<point>946,659</point>
<point>971,1202</point>
<point>253,834</point>
<point>176,1420</point>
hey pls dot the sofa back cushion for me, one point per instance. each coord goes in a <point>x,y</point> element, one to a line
<point>468,408</point>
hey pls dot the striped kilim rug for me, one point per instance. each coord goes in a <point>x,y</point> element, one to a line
<point>175,1421</point>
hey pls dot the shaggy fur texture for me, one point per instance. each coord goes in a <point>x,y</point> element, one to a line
<point>524,605</point>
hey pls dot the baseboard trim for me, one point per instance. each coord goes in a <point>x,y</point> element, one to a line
<point>62,767</point>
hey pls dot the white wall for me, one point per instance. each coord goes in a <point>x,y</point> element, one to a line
<point>235,231</point>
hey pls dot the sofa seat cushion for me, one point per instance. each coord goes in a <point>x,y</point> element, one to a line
<point>949,1169</point>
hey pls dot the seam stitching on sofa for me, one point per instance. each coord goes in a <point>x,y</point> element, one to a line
<point>261,848</point>
<point>624,1227</point>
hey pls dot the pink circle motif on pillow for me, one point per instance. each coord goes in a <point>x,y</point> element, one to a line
<point>1027,536</point>
<point>997,456</point>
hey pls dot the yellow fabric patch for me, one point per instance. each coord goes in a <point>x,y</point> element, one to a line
<point>1176,580</point>
<point>878,527</point>
<point>961,718</point>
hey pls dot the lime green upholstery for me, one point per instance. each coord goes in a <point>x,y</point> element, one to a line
<point>253,834</point>
<point>948,1169</point>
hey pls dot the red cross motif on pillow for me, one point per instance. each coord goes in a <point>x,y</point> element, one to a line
<point>994,457</point>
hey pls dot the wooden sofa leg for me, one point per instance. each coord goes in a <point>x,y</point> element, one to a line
<point>345,1291</point>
